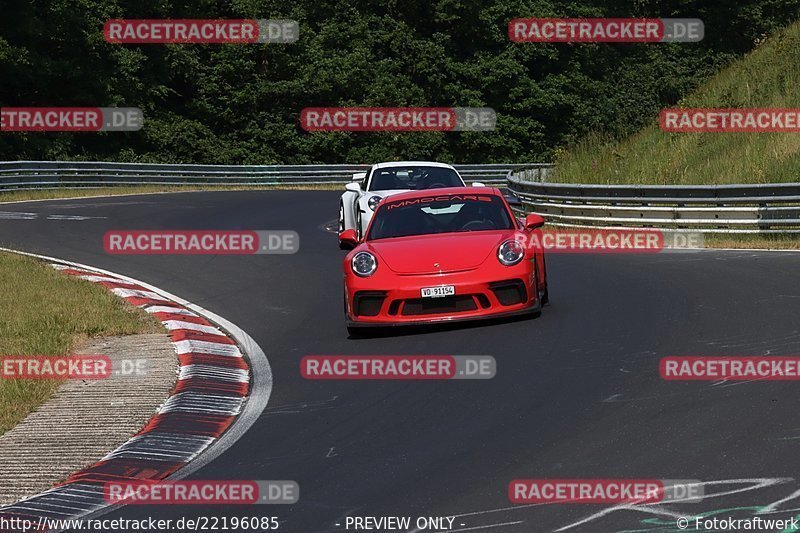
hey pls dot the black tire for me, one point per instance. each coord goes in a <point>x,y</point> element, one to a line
<point>358,222</point>
<point>340,229</point>
<point>544,296</point>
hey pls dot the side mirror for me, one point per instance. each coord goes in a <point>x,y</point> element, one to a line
<point>533,221</point>
<point>478,184</point>
<point>358,176</point>
<point>348,238</point>
<point>353,187</point>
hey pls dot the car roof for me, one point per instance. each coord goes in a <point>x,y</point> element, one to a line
<point>390,164</point>
<point>445,191</point>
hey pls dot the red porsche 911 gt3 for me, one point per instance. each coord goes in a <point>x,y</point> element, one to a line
<point>443,255</point>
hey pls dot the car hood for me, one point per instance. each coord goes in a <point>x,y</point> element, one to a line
<point>451,251</point>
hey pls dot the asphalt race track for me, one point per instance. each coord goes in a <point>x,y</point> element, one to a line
<point>577,392</point>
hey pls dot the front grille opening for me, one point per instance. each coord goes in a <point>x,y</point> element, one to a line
<point>431,306</point>
<point>394,307</point>
<point>368,303</point>
<point>510,292</point>
<point>483,300</point>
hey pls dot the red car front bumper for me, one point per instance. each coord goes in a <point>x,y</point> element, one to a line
<point>390,299</point>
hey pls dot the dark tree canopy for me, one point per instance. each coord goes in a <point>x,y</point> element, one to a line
<point>232,104</point>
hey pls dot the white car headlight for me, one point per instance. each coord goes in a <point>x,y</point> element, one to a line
<point>364,264</point>
<point>510,252</point>
<point>373,202</point>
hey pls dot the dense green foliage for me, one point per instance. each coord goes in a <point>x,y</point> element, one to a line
<point>767,77</point>
<point>241,103</point>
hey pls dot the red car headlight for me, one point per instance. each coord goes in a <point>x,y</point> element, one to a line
<point>510,252</point>
<point>364,264</point>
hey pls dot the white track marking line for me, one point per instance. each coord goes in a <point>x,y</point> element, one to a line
<point>136,293</point>
<point>179,324</point>
<point>210,348</point>
<point>96,279</point>
<point>168,309</point>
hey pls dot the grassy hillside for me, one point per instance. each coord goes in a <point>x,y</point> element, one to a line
<point>769,76</point>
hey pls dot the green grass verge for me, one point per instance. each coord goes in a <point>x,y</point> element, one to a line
<point>52,194</point>
<point>766,77</point>
<point>760,242</point>
<point>44,312</point>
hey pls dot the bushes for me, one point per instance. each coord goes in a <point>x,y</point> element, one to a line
<point>241,103</point>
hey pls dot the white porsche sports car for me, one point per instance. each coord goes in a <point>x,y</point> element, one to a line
<point>367,189</point>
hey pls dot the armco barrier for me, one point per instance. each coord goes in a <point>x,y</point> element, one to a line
<point>16,175</point>
<point>759,208</point>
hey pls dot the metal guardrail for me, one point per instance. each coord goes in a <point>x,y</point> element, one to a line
<point>16,175</point>
<point>759,208</point>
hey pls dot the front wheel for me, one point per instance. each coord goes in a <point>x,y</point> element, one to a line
<point>546,294</point>
<point>358,222</point>
<point>342,246</point>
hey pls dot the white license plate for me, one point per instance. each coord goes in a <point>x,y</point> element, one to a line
<point>438,292</point>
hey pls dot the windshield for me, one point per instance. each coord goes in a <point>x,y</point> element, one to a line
<point>414,178</point>
<point>440,214</point>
